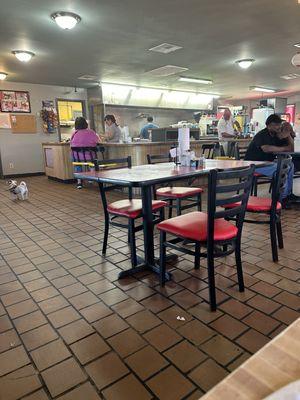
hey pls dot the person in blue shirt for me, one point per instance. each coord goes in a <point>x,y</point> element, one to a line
<point>145,130</point>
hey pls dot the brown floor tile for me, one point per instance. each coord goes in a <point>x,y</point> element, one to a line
<point>22,308</point>
<point>89,348</point>
<point>146,362</point>
<point>37,284</point>
<point>140,292</point>
<point>30,321</point>
<point>235,308</point>
<point>50,354</point>
<point>170,385</point>
<point>170,316</point>
<point>195,395</point>
<point>143,321</point>
<point>252,341</point>
<point>128,388</point>
<point>106,370</point>
<point>83,392</point>
<point>73,290</point>
<point>110,325</point>
<point>221,349</point>
<point>286,315</point>
<point>186,299</point>
<point>268,277</point>
<point>39,395</point>
<point>196,332</point>
<point>92,277</point>
<point>289,300</point>
<point>44,294</point>
<point>228,326</point>
<point>185,356</point>
<point>126,342</point>
<point>13,359</point>
<point>75,331</point>
<point>101,286</point>
<point>202,312</point>
<point>63,376</point>
<point>239,361</point>
<point>162,337</point>
<point>19,383</point>
<point>208,374</point>
<point>278,330</point>
<point>156,303</point>
<point>50,305</point>
<point>113,296</point>
<point>95,312</point>
<point>8,340</point>
<point>38,337</point>
<point>261,322</point>
<point>263,304</point>
<point>265,289</point>
<point>127,308</point>
<point>5,323</point>
<point>63,317</point>
<point>15,297</point>
<point>83,300</point>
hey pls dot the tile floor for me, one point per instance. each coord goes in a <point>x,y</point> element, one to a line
<point>70,330</point>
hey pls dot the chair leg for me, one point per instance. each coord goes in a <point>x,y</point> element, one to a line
<point>211,279</point>
<point>131,234</point>
<point>273,239</point>
<point>161,214</point>
<point>279,234</point>
<point>170,208</point>
<point>239,267</point>
<point>162,259</point>
<point>199,202</point>
<point>197,255</point>
<point>178,206</point>
<point>106,229</point>
<point>255,185</point>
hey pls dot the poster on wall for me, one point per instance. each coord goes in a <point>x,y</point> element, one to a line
<point>5,122</point>
<point>49,116</point>
<point>14,101</point>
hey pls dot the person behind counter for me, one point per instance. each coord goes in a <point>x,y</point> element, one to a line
<point>83,137</point>
<point>112,130</point>
<point>144,134</point>
<point>275,138</point>
<point>226,129</point>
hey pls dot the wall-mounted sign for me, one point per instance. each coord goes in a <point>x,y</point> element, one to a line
<point>14,101</point>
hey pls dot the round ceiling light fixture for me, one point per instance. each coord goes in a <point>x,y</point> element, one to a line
<point>66,20</point>
<point>3,76</point>
<point>245,63</point>
<point>23,56</point>
<point>296,60</point>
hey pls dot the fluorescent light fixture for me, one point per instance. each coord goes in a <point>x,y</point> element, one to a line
<point>3,76</point>
<point>66,20</point>
<point>245,63</point>
<point>23,56</point>
<point>195,80</point>
<point>261,89</point>
<point>165,48</point>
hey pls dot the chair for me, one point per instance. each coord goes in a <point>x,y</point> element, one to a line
<point>212,150</point>
<point>84,156</point>
<point>271,206</point>
<point>176,194</point>
<point>130,209</point>
<point>211,230</point>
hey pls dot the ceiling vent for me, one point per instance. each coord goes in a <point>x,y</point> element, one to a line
<point>290,76</point>
<point>88,78</point>
<point>167,70</point>
<point>165,48</point>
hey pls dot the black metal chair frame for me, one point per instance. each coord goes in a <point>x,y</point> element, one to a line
<point>274,221</point>
<point>213,150</point>
<point>111,219</point>
<point>79,152</point>
<point>156,159</point>
<point>217,187</point>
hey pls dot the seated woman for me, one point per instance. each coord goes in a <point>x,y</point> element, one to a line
<point>83,137</point>
<point>112,130</point>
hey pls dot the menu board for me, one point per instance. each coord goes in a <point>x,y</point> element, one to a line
<point>14,101</point>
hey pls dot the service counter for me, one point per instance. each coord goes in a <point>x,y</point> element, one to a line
<point>58,164</point>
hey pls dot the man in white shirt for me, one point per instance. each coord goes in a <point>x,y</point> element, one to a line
<point>226,129</point>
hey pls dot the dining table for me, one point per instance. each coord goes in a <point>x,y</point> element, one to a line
<point>147,176</point>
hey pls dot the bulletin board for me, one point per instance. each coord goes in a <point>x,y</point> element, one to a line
<point>23,123</point>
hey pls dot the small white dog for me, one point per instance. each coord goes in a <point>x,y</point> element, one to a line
<point>18,191</point>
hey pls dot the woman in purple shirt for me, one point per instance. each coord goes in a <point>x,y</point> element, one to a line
<point>83,137</point>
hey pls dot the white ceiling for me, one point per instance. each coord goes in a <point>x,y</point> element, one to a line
<point>113,38</point>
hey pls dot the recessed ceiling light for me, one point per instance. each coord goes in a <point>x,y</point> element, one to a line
<point>66,20</point>
<point>165,48</point>
<point>245,63</point>
<point>23,56</point>
<point>195,80</point>
<point>3,76</point>
<point>297,45</point>
<point>261,89</point>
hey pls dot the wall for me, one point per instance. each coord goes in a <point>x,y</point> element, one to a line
<point>24,150</point>
<point>129,116</point>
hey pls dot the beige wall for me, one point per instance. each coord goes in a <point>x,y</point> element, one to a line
<point>24,151</point>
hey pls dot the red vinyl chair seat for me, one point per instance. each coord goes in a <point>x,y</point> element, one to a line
<point>257,174</point>
<point>257,204</point>
<point>193,226</point>
<point>178,192</point>
<point>132,208</point>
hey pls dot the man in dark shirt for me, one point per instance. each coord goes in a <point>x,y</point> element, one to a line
<point>266,144</point>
